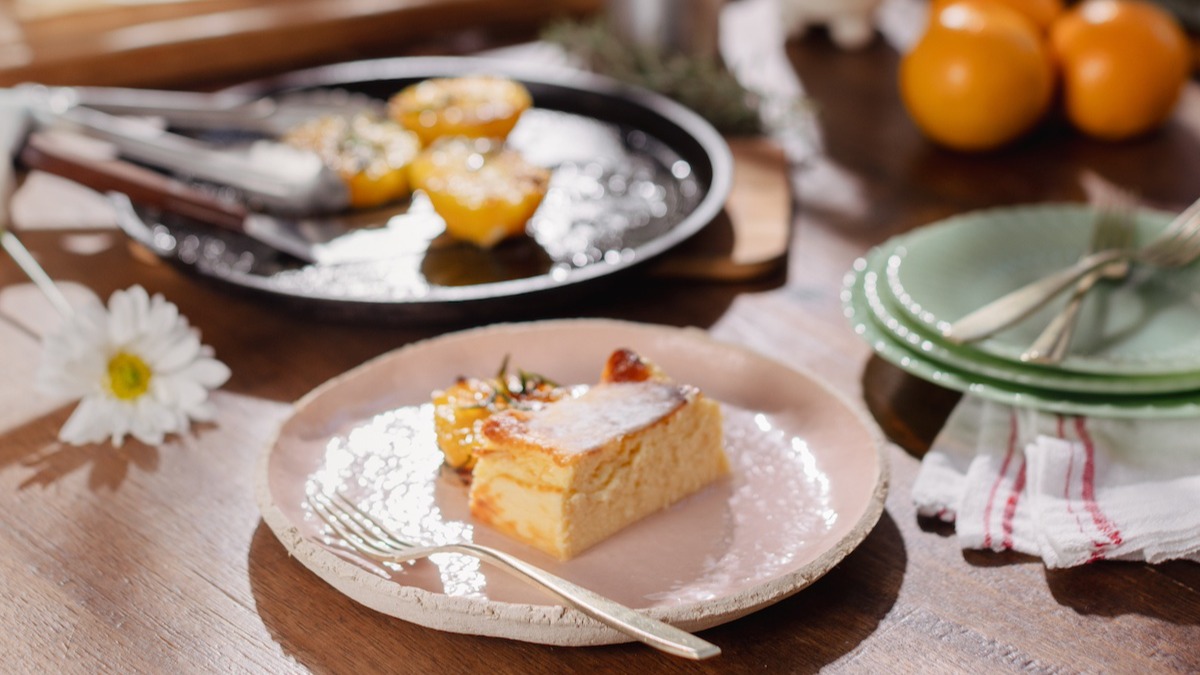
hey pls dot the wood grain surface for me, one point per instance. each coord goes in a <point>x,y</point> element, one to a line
<point>172,44</point>
<point>145,559</point>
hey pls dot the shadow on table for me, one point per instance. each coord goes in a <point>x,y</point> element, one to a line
<point>326,631</point>
<point>1119,588</point>
<point>860,591</point>
<point>672,302</point>
<point>910,410</point>
<point>34,448</point>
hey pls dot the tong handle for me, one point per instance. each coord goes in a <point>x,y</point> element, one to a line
<point>149,102</point>
<point>185,109</point>
<point>144,186</point>
<point>277,178</point>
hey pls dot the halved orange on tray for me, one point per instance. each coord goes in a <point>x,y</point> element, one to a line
<point>371,155</point>
<point>475,106</point>
<point>484,191</point>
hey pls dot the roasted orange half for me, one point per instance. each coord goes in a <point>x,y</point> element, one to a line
<point>484,191</point>
<point>371,155</point>
<point>478,106</point>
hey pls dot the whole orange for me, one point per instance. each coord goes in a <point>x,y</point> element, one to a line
<point>1041,12</point>
<point>1123,63</point>
<point>980,77</point>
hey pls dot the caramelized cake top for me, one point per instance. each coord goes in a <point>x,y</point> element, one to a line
<point>577,425</point>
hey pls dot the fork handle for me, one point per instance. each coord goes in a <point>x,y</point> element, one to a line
<point>1051,345</point>
<point>653,632</point>
<point>1019,304</point>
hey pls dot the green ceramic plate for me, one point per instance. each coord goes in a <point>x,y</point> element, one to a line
<point>896,352</point>
<point>1147,325</point>
<point>920,338</point>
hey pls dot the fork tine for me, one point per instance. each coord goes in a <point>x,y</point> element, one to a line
<point>1111,231</point>
<point>1189,216</point>
<point>346,527</point>
<point>1172,246</point>
<point>1113,207</point>
<point>366,521</point>
<point>1181,246</point>
<point>1183,226</point>
<point>1185,250</point>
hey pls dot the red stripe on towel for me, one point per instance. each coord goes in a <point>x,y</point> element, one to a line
<point>1008,455</point>
<point>1010,509</point>
<point>1106,526</point>
<point>1062,434</point>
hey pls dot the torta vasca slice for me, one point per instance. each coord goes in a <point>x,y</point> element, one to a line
<point>567,476</point>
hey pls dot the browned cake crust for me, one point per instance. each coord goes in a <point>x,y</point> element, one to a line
<point>511,430</point>
<point>626,366</point>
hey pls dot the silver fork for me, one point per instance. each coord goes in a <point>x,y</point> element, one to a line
<point>1177,245</point>
<point>366,535</point>
<point>1113,231</point>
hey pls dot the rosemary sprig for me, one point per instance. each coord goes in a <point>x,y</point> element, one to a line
<point>511,390</point>
<point>704,85</point>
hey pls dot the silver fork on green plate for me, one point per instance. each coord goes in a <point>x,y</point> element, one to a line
<point>1177,245</point>
<point>1113,230</point>
<point>364,534</point>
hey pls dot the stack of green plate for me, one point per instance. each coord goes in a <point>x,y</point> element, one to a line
<point>1136,351</point>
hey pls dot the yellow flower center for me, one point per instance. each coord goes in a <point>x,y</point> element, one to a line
<point>128,376</point>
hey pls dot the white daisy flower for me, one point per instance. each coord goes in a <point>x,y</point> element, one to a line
<point>138,367</point>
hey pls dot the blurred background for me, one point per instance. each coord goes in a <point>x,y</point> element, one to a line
<point>205,43</point>
<point>211,43</point>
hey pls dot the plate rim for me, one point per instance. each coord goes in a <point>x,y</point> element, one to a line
<point>884,345</point>
<point>1051,379</point>
<point>553,623</point>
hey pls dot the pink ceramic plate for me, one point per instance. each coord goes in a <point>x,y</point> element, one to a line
<point>808,483</point>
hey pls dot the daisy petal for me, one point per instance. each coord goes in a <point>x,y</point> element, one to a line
<point>205,412</point>
<point>152,421</point>
<point>123,316</point>
<point>187,393</point>
<point>174,354</point>
<point>85,425</point>
<point>210,373</point>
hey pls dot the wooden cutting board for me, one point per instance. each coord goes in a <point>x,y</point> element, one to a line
<point>750,238</point>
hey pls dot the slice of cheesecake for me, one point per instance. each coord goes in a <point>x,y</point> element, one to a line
<point>566,476</point>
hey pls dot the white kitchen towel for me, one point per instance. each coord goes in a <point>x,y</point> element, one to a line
<point>1069,489</point>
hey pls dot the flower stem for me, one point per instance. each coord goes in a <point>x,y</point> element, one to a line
<point>36,274</point>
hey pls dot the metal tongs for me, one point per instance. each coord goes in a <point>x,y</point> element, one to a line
<point>266,115</point>
<point>270,176</point>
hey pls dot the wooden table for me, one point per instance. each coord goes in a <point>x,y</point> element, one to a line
<point>155,559</point>
<point>186,43</point>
